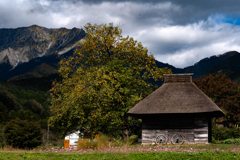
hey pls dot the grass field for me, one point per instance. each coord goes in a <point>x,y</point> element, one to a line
<point>204,152</point>
<point>206,155</point>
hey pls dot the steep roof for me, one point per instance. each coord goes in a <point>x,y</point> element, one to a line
<point>178,95</point>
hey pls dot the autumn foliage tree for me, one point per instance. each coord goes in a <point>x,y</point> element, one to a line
<point>224,92</point>
<point>107,76</point>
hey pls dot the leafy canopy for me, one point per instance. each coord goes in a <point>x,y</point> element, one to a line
<point>224,92</point>
<point>107,76</point>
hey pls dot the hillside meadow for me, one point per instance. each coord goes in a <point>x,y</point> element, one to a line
<point>204,152</point>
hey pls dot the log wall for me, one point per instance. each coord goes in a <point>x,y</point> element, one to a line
<point>193,129</point>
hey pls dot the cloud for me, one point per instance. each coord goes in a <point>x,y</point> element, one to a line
<point>182,46</point>
<point>140,14</point>
<point>179,32</point>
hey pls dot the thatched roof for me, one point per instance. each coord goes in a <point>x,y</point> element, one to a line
<point>178,95</point>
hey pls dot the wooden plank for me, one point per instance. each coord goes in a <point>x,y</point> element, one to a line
<point>180,130</point>
<point>200,132</point>
<point>180,127</point>
<point>189,140</point>
<point>201,141</point>
<point>201,138</point>
<point>153,132</point>
<point>200,125</point>
<point>201,135</point>
<point>145,137</point>
<point>148,141</point>
<point>148,131</point>
<point>149,137</point>
<point>189,136</point>
<point>201,129</point>
<point>162,131</point>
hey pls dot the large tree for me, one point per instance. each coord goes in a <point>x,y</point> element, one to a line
<point>224,92</point>
<point>106,77</point>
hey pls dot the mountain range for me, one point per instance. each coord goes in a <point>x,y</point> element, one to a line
<point>227,63</point>
<point>34,52</point>
<point>23,49</point>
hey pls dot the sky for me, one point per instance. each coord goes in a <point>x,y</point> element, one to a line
<point>177,32</point>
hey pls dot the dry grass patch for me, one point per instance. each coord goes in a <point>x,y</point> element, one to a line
<point>100,142</point>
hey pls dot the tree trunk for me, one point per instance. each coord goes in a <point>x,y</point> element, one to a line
<point>125,128</point>
<point>126,134</point>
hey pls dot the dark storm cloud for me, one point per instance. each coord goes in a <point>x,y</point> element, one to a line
<point>180,12</point>
<point>179,32</point>
<point>191,10</point>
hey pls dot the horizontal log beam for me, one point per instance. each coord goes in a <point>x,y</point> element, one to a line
<point>201,135</point>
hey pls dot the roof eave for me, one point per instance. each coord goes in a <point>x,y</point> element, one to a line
<point>208,114</point>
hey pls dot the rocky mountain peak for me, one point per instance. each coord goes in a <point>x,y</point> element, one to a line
<point>20,45</point>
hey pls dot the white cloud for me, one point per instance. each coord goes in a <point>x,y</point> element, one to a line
<point>182,46</point>
<point>187,57</point>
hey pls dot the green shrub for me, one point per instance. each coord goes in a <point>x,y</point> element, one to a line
<point>22,133</point>
<point>237,141</point>
<point>223,133</point>
<point>133,139</point>
<point>232,141</point>
<point>228,141</point>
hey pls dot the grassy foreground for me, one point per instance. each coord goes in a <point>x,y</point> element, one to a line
<point>137,152</point>
<point>112,156</point>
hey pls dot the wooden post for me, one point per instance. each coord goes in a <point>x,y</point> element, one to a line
<point>209,129</point>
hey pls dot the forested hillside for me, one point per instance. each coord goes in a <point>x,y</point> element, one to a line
<point>25,100</point>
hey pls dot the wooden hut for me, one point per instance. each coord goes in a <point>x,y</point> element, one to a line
<point>177,112</point>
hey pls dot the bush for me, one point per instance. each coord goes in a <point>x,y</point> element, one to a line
<point>228,141</point>
<point>223,133</point>
<point>232,141</point>
<point>133,139</point>
<point>22,134</point>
